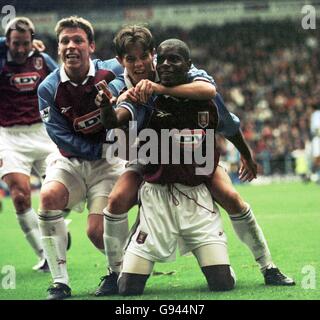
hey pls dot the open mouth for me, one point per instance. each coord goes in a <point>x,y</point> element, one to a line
<point>72,57</point>
<point>139,72</point>
<point>21,57</point>
<point>165,74</point>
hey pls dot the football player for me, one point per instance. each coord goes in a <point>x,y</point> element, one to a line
<point>24,143</point>
<point>79,172</point>
<point>137,56</point>
<point>135,50</point>
<point>175,202</point>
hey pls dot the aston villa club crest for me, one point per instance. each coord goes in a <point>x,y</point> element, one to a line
<point>141,238</point>
<point>203,119</point>
<point>38,63</point>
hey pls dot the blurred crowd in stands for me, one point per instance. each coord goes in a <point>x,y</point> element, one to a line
<point>71,6</point>
<point>269,76</point>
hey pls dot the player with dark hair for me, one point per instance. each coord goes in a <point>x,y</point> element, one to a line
<point>79,172</point>
<point>135,51</point>
<point>137,59</point>
<point>24,143</point>
<point>175,202</point>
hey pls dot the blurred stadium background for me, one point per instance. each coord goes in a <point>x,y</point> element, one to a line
<point>265,64</point>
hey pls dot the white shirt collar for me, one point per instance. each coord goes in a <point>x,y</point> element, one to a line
<point>127,80</point>
<point>64,77</point>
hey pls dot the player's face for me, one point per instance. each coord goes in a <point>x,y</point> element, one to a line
<point>20,45</point>
<point>139,64</point>
<point>172,66</point>
<point>74,50</point>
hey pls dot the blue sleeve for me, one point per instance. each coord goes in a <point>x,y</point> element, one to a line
<point>49,61</point>
<point>229,124</point>
<point>117,85</point>
<point>198,74</point>
<point>3,52</point>
<point>138,112</point>
<point>112,65</point>
<point>59,130</point>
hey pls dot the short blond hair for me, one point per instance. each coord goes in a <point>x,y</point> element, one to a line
<point>75,22</point>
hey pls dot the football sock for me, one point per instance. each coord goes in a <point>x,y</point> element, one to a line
<point>115,235</point>
<point>250,233</point>
<point>54,238</point>
<point>29,224</point>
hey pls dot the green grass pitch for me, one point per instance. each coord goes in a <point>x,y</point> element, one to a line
<point>288,214</point>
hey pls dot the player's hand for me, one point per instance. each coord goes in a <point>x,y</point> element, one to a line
<point>128,95</point>
<point>38,45</point>
<point>248,170</point>
<point>104,97</point>
<point>144,90</point>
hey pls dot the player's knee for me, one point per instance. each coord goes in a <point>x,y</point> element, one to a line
<point>50,199</point>
<point>119,203</point>
<point>132,284</point>
<point>219,277</point>
<point>21,199</point>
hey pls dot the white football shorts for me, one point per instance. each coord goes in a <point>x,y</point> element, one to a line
<point>23,148</point>
<point>171,215</point>
<point>85,180</point>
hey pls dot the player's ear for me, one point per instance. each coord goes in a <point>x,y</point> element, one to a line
<point>189,63</point>
<point>120,60</point>
<point>154,52</point>
<point>92,47</point>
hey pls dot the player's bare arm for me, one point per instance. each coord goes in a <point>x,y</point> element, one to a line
<point>248,169</point>
<point>196,90</point>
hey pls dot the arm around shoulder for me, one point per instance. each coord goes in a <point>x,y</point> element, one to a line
<point>196,90</point>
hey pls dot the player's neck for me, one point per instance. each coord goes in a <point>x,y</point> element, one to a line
<point>174,83</point>
<point>76,76</point>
